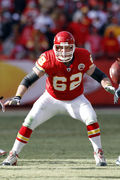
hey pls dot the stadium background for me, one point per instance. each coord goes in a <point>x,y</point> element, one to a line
<point>27,28</point>
<point>11,73</point>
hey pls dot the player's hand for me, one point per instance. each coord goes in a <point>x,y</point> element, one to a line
<point>117,95</point>
<point>13,101</point>
<point>2,104</point>
<point>110,89</point>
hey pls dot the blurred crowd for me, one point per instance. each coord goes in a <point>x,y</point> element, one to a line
<point>28,27</point>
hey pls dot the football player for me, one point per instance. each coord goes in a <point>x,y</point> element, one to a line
<point>65,66</point>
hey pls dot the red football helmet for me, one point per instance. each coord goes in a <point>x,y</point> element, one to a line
<point>64,46</point>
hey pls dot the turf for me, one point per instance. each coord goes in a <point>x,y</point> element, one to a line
<point>60,149</point>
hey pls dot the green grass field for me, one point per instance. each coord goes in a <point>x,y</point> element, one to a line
<point>59,149</point>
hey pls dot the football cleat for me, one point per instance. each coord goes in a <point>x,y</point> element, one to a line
<point>11,160</point>
<point>118,161</point>
<point>99,158</point>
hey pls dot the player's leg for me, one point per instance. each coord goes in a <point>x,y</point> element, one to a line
<point>35,117</point>
<point>81,109</point>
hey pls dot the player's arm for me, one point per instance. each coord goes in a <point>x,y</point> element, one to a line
<point>101,77</point>
<point>117,92</point>
<point>27,81</point>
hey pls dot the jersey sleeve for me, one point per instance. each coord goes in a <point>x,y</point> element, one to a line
<point>89,62</point>
<point>41,62</point>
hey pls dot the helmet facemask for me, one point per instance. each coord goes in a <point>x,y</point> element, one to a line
<point>64,46</point>
<point>64,51</point>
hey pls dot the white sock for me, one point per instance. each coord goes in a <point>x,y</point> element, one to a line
<point>17,147</point>
<point>96,142</point>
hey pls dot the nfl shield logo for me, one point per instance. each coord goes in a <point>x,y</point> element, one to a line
<point>81,66</point>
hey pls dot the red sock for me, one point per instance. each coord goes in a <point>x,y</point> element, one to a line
<point>93,130</point>
<point>24,134</point>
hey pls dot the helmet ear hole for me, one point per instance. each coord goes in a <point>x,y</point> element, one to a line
<point>64,46</point>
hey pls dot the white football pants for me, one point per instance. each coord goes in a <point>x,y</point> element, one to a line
<point>47,106</point>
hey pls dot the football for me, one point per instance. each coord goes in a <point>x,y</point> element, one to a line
<point>114,72</point>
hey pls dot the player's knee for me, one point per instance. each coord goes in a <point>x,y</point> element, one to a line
<point>29,122</point>
<point>91,120</point>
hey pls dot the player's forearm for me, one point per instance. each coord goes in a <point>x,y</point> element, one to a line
<point>28,80</point>
<point>21,90</point>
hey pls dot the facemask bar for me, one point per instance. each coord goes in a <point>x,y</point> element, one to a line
<point>61,51</point>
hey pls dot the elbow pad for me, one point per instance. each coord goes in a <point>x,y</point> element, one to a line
<point>29,79</point>
<point>98,75</point>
